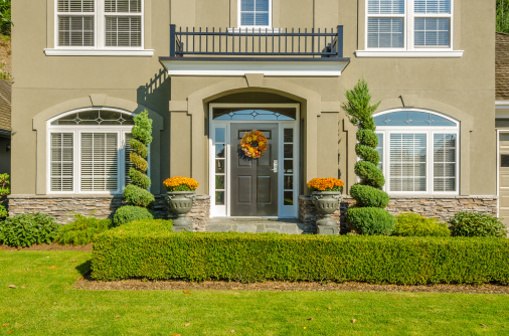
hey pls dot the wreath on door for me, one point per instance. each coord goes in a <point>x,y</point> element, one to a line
<point>253,144</point>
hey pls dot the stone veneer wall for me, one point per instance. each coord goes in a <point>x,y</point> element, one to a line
<point>64,207</point>
<point>439,207</point>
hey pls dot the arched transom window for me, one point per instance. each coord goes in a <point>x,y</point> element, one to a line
<point>418,151</point>
<point>89,151</point>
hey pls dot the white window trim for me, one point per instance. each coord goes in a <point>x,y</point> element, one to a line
<point>430,132</point>
<point>99,49</point>
<point>247,28</point>
<point>409,50</point>
<point>76,130</point>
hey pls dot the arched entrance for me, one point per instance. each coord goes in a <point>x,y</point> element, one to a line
<point>265,183</point>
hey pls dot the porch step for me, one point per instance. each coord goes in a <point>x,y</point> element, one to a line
<point>257,225</point>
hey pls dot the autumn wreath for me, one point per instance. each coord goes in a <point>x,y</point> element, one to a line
<point>253,144</point>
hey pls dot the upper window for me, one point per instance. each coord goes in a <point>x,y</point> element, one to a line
<point>254,13</point>
<point>418,151</point>
<point>89,152</point>
<point>409,24</point>
<point>99,24</point>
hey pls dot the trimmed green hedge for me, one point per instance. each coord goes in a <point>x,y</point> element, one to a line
<point>131,251</point>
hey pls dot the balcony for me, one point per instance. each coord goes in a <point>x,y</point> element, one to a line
<point>231,51</point>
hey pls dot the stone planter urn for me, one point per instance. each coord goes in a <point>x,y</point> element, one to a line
<point>326,202</point>
<point>180,203</point>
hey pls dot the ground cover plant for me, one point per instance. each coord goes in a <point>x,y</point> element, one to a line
<point>415,225</point>
<point>25,230</point>
<point>82,230</point>
<point>368,216</point>
<point>152,252</point>
<point>32,280</point>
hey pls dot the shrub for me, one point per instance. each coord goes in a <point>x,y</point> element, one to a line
<point>473,224</point>
<point>150,252</point>
<point>27,229</point>
<point>3,212</point>
<point>367,137</point>
<point>137,196</point>
<point>82,230</point>
<point>367,196</point>
<point>140,163</point>
<point>139,179</point>
<point>367,153</point>
<point>369,174</point>
<point>415,225</point>
<point>138,147</point>
<point>129,213</point>
<point>370,221</point>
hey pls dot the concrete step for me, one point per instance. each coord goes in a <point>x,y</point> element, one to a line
<point>257,225</point>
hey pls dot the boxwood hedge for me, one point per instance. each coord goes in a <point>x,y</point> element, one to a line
<point>154,252</point>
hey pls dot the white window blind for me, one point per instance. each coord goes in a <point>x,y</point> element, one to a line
<point>61,162</point>
<point>99,161</point>
<point>407,169</point>
<point>123,23</point>
<point>100,23</point>
<point>409,24</point>
<point>444,162</point>
<point>76,27</point>
<point>254,12</point>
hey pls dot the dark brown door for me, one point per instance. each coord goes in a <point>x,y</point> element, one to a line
<point>254,181</point>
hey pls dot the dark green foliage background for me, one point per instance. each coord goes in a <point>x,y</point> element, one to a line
<point>147,252</point>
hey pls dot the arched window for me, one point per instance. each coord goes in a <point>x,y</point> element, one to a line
<point>89,151</point>
<point>418,151</point>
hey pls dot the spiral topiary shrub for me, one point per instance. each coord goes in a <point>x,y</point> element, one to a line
<point>137,193</point>
<point>368,216</point>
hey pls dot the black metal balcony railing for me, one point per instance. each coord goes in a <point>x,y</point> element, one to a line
<point>294,43</point>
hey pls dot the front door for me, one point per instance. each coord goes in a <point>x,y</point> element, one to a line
<point>254,182</point>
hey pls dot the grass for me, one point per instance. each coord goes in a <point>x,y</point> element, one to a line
<point>45,302</point>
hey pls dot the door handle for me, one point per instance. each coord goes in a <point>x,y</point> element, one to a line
<point>275,166</point>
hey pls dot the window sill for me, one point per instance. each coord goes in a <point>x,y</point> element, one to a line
<point>257,30</point>
<point>410,53</point>
<point>99,52</point>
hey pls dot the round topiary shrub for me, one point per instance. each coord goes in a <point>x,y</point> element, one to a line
<point>415,225</point>
<point>27,229</point>
<point>370,221</point>
<point>130,213</point>
<point>137,196</point>
<point>475,224</point>
<point>368,196</point>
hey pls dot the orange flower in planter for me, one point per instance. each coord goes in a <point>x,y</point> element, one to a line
<point>180,183</point>
<point>326,184</point>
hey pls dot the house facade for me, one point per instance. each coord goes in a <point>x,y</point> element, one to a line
<point>211,71</point>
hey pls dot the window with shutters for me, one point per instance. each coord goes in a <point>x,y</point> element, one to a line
<point>89,151</point>
<point>409,24</point>
<point>254,13</point>
<point>99,24</point>
<point>419,152</point>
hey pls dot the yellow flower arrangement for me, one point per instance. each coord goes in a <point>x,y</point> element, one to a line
<point>253,144</point>
<point>180,183</point>
<point>326,184</point>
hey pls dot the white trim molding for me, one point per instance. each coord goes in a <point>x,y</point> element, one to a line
<point>410,53</point>
<point>98,52</point>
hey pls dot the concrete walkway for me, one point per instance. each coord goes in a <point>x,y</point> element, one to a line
<point>257,225</point>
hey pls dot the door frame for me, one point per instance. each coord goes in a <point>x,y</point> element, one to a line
<point>499,132</point>
<point>283,211</point>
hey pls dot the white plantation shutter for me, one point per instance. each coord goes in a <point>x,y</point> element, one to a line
<point>61,162</point>
<point>123,23</point>
<point>386,23</point>
<point>432,6</point>
<point>76,23</point>
<point>407,168</point>
<point>99,162</point>
<point>432,27</point>
<point>444,162</point>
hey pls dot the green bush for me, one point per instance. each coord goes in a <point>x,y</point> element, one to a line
<point>27,229</point>
<point>367,196</point>
<point>140,163</point>
<point>474,224</point>
<point>139,179</point>
<point>367,137</point>
<point>367,153</point>
<point>3,212</point>
<point>370,221</point>
<point>134,251</point>
<point>415,225</point>
<point>142,129</point>
<point>82,230</point>
<point>136,196</point>
<point>129,213</point>
<point>138,147</point>
<point>369,174</point>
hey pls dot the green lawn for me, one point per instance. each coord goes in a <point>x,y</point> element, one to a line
<point>44,302</point>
